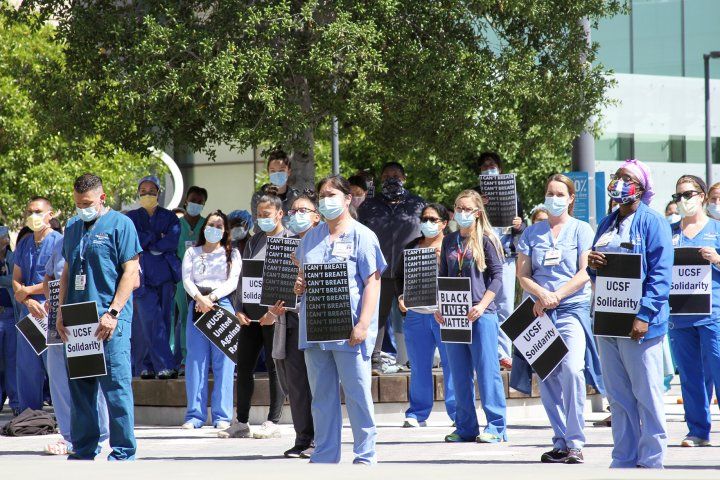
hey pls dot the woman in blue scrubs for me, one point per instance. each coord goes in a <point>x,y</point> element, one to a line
<point>422,332</point>
<point>695,339</point>
<point>633,367</point>
<point>343,239</point>
<point>552,268</point>
<point>475,252</point>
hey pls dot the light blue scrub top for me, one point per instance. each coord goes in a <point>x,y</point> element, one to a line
<point>366,259</point>
<point>32,259</point>
<point>575,238</point>
<point>100,252</point>
<point>709,236</point>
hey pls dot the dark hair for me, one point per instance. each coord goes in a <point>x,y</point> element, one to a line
<point>489,156</point>
<point>337,182</point>
<point>440,209</point>
<point>224,241</point>
<point>23,231</point>
<point>199,190</point>
<point>280,155</point>
<point>397,165</point>
<point>309,195</point>
<point>40,198</point>
<point>55,225</point>
<point>87,182</point>
<point>359,181</point>
<point>177,210</point>
<point>269,196</point>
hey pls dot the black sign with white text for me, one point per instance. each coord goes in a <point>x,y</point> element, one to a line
<point>618,290</point>
<point>279,273</point>
<point>420,277</point>
<point>455,302</point>
<point>34,330</point>
<point>327,302</point>
<point>222,328</point>
<point>501,190</point>
<point>252,282</point>
<point>691,288</point>
<point>54,300</point>
<point>85,353</point>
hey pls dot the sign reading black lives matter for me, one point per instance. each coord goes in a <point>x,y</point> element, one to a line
<point>501,208</point>
<point>535,338</point>
<point>618,290</point>
<point>691,289</point>
<point>279,273</point>
<point>420,274</point>
<point>222,328</point>
<point>54,299</point>
<point>327,302</point>
<point>455,303</point>
<point>85,353</point>
<point>34,330</point>
<point>252,282</point>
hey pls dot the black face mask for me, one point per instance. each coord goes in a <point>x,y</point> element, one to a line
<point>392,189</point>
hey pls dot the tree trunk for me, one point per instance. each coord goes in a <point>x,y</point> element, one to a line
<point>303,163</point>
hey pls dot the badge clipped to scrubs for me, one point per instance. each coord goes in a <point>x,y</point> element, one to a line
<point>605,239</point>
<point>676,240</point>
<point>342,249</point>
<point>552,258</point>
<point>80,281</point>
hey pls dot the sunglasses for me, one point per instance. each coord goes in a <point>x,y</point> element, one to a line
<point>430,219</point>
<point>687,195</point>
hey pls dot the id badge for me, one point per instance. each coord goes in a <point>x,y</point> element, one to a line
<point>342,249</point>
<point>552,258</point>
<point>189,244</point>
<point>605,239</point>
<point>676,240</point>
<point>80,281</point>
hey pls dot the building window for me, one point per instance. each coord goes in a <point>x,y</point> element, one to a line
<point>657,37</point>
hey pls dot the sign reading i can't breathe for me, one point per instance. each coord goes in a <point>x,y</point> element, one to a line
<point>85,353</point>
<point>222,328</point>
<point>279,273</point>
<point>501,190</point>
<point>618,290</point>
<point>54,300</point>
<point>252,282</point>
<point>691,288</point>
<point>455,303</point>
<point>420,277</point>
<point>327,302</point>
<point>535,338</point>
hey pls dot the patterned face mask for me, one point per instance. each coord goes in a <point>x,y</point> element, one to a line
<point>623,192</point>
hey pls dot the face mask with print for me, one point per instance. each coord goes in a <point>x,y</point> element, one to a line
<point>556,206</point>
<point>430,229</point>
<point>300,222</point>
<point>465,219</point>
<point>213,234</point>
<point>278,178</point>
<point>331,207</point>
<point>266,224</point>
<point>622,192</point>
<point>673,218</point>
<point>36,222</point>
<point>87,214</point>
<point>687,207</point>
<point>194,209</point>
<point>238,233</point>
<point>714,210</point>
<point>357,201</point>
<point>393,189</point>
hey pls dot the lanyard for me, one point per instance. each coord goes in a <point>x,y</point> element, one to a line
<point>461,252</point>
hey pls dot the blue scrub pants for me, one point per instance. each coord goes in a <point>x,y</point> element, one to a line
<point>155,309</point>
<point>117,388</point>
<point>633,375</point>
<point>8,349</point>
<point>30,371</point>
<point>326,370</point>
<point>689,346</point>
<point>422,336</point>
<point>505,303</point>
<point>201,353</point>
<point>563,392</point>
<point>478,357</point>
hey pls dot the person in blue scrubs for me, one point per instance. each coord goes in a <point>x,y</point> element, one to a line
<point>475,252</point>
<point>101,252</point>
<point>695,339</point>
<point>31,256</point>
<point>633,367</point>
<point>343,239</point>
<point>422,332</point>
<point>8,318</point>
<point>159,231</point>
<point>552,268</point>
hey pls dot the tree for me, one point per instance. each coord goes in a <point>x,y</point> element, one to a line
<point>35,159</point>
<point>428,81</point>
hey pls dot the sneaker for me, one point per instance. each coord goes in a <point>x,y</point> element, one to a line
<point>377,368</point>
<point>411,422</point>
<point>486,437</point>
<point>167,374</point>
<point>455,438</point>
<point>236,430</point>
<point>147,375</point>
<point>307,453</point>
<point>295,452</point>
<point>189,425</point>
<point>691,441</point>
<point>267,430</point>
<point>574,456</point>
<point>222,425</point>
<point>554,456</point>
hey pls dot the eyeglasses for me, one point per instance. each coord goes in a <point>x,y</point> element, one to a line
<point>465,210</point>
<point>625,178</point>
<point>687,195</point>
<point>302,210</point>
<point>430,219</point>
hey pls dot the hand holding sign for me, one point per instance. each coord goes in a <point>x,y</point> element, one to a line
<point>35,308</point>
<point>596,260</point>
<point>203,304</point>
<point>60,327</point>
<point>300,284</point>
<point>547,300</point>
<point>475,312</point>
<point>709,254</point>
<point>273,313</point>
<point>244,320</point>
<point>639,329</point>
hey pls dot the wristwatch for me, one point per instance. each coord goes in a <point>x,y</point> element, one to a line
<point>113,313</point>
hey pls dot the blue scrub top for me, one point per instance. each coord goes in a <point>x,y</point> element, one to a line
<point>105,246</point>
<point>575,238</point>
<point>32,259</point>
<point>709,236</point>
<point>366,259</point>
<point>159,235</point>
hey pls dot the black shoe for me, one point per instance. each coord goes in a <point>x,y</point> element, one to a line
<point>295,452</point>
<point>307,453</point>
<point>574,455</point>
<point>146,375</point>
<point>167,374</point>
<point>554,456</point>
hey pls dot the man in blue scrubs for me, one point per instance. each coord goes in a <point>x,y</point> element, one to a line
<point>8,317</point>
<point>31,255</point>
<point>101,264</point>
<point>159,231</point>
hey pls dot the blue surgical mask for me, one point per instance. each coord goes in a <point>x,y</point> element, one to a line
<point>238,233</point>
<point>556,206</point>
<point>194,209</point>
<point>465,219</point>
<point>213,234</point>
<point>278,178</point>
<point>300,222</point>
<point>87,214</point>
<point>491,171</point>
<point>674,218</point>
<point>430,229</point>
<point>714,210</point>
<point>266,224</point>
<point>331,207</point>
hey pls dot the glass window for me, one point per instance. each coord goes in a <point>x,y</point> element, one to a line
<point>614,147</point>
<point>702,35</point>
<point>657,37</point>
<point>695,149</point>
<point>613,37</point>
<point>652,148</point>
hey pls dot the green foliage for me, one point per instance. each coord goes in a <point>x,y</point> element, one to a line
<point>35,158</point>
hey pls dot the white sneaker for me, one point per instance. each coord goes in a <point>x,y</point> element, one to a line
<point>690,441</point>
<point>222,425</point>
<point>267,430</point>
<point>411,422</point>
<point>236,430</point>
<point>188,426</point>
